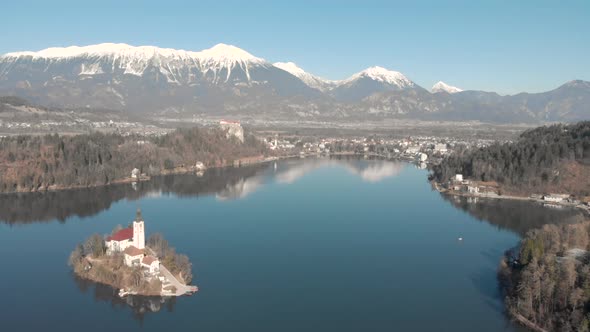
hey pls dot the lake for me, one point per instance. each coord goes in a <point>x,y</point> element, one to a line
<point>308,245</point>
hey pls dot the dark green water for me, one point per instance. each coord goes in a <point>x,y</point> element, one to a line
<point>313,245</point>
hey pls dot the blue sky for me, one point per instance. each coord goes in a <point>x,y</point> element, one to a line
<point>503,46</point>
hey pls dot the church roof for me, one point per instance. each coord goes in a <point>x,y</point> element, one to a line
<point>148,260</point>
<point>124,234</point>
<point>133,251</point>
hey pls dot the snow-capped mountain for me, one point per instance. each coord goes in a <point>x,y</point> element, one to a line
<point>441,86</point>
<point>177,66</point>
<point>121,76</point>
<point>226,80</point>
<point>380,74</point>
<point>307,78</point>
<point>358,86</point>
<point>370,81</point>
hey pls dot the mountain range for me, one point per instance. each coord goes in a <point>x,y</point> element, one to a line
<point>226,80</point>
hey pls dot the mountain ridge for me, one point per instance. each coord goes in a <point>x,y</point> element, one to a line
<point>225,79</point>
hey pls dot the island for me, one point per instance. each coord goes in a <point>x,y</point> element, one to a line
<point>126,261</point>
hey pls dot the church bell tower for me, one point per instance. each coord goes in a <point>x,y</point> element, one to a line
<point>138,231</point>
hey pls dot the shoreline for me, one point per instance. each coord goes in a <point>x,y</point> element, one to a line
<point>91,264</point>
<point>119,289</point>
<point>515,316</point>
<point>185,170</point>
<point>114,286</point>
<point>581,206</point>
<point>143,178</point>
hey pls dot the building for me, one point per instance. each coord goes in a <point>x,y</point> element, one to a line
<point>233,128</point>
<point>440,148</point>
<point>459,177</point>
<point>199,166</point>
<point>473,189</point>
<point>151,263</point>
<point>133,256</point>
<point>119,241</point>
<point>130,236</point>
<point>135,173</point>
<point>555,198</point>
<point>130,242</point>
<point>138,231</point>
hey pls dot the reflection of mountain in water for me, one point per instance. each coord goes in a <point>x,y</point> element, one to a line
<point>373,171</point>
<point>227,183</point>
<point>517,216</point>
<point>378,171</point>
<point>140,305</point>
<point>370,171</point>
<point>241,188</point>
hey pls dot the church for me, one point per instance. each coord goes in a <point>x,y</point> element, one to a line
<point>131,242</point>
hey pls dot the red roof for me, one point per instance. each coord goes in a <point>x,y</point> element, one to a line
<point>124,234</point>
<point>133,251</point>
<point>148,260</point>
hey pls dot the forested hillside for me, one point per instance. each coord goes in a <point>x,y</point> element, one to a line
<point>553,158</point>
<point>32,163</point>
<point>550,286</point>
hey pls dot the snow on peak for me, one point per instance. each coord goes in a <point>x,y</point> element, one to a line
<point>444,87</point>
<point>307,78</point>
<point>104,49</point>
<point>221,56</point>
<point>226,52</point>
<point>291,68</point>
<point>384,75</point>
<point>216,62</point>
<point>219,52</point>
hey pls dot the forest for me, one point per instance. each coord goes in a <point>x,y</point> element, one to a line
<point>547,158</point>
<point>37,163</point>
<point>547,282</point>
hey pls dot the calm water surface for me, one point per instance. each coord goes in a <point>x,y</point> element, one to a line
<point>311,245</point>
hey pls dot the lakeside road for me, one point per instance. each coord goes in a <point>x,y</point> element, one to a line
<point>436,185</point>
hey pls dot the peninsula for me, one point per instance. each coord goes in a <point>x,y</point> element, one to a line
<point>546,278</point>
<point>57,162</point>
<point>125,261</point>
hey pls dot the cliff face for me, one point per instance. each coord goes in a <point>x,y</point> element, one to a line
<point>233,129</point>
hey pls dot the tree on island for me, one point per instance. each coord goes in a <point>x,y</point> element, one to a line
<point>158,244</point>
<point>95,246</point>
<point>178,264</point>
<point>116,229</point>
<point>76,256</point>
<point>89,261</point>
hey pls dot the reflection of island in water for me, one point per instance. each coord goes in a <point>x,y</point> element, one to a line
<point>517,216</point>
<point>140,305</point>
<point>226,183</point>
